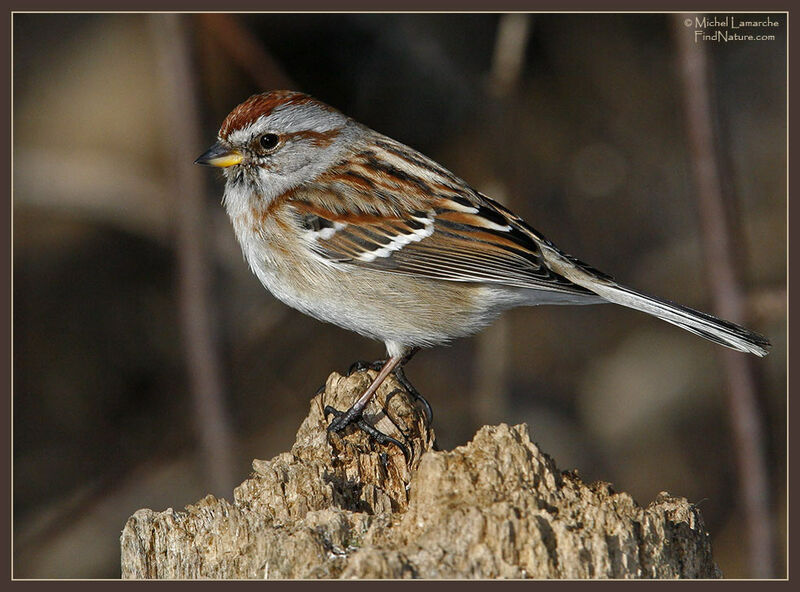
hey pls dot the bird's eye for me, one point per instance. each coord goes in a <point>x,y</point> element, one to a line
<point>268,141</point>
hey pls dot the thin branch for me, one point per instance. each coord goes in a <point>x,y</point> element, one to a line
<point>728,300</point>
<point>508,58</point>
<point>192,228</point>
<point>245,50</point>
<point>491,396</point>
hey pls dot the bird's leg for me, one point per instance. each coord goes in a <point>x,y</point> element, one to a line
<point>353,415</point>
<point>357,408</point>
<point>399,372</point>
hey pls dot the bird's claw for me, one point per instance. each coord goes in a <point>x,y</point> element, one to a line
<point>342,419</point>
<point>412,390</point>
<point>361,365</point>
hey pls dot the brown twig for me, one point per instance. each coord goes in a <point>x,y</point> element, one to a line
<point>245,50</point>
<point>728,300</point>
<point>513,30</point>
<point>179,88</point>
<point>491,397</point>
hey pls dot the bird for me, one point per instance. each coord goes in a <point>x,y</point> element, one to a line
<point>354,228</point>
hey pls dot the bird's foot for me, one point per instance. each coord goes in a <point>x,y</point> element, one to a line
<point>361,365</point>
<point>342,419</point>
<point>411,389</point>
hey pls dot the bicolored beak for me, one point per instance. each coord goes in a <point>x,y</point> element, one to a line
<point>220,155</point>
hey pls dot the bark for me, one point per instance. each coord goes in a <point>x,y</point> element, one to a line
<point>347,507</point>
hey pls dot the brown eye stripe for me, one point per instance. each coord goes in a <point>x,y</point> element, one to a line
<point>319,139</point>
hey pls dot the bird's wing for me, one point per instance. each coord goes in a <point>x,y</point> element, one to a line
<point>455,238</point>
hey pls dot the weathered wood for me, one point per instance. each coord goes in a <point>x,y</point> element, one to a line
<point>351,508</point>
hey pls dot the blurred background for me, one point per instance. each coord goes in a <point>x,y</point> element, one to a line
<point>151,367</point>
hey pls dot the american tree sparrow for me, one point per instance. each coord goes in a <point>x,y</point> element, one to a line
<point>357,229</point>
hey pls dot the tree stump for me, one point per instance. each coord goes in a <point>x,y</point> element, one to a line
<point>347,507</point>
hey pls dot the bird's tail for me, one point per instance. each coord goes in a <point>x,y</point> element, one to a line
<point>705,325</point>
<point>702,324</point>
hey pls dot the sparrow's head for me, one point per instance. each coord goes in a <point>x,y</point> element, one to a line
<point>274,142</point>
